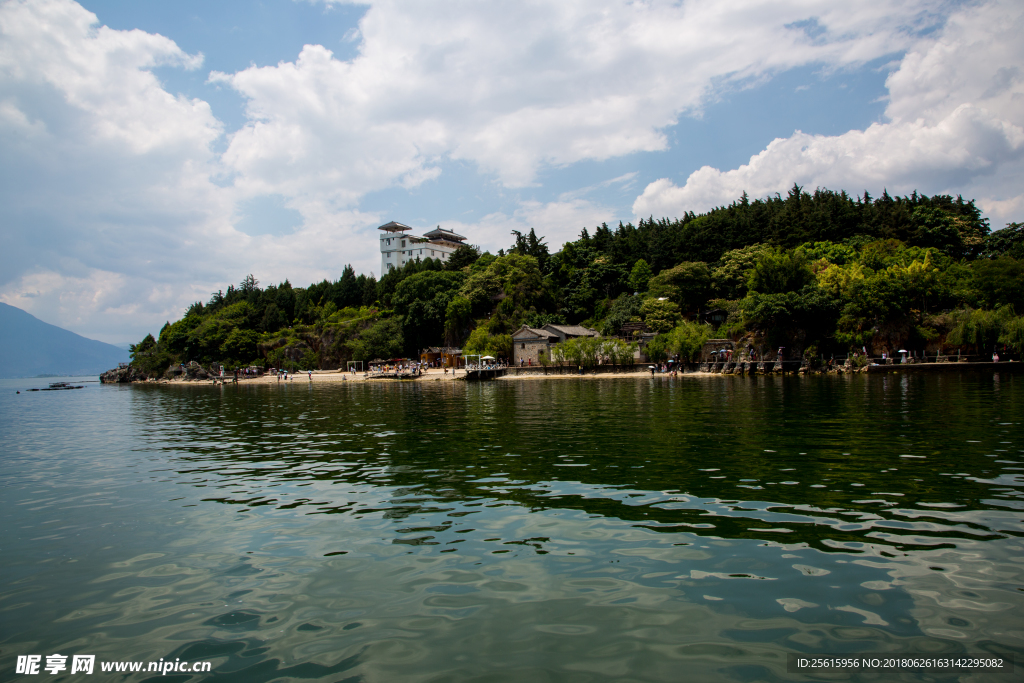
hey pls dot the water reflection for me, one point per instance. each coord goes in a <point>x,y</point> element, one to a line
<point>832,464</point>
<point>564,530</point>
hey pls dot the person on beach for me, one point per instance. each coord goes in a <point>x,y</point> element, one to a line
<point>310,375</point>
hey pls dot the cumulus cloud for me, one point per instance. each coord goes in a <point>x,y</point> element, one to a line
<point>117,209</point>
<point>120,209</point>
<point>955,124</point>
<point>517,87</point>
<point>104,173</point>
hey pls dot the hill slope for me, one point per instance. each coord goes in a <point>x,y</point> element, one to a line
<point>30,347</point>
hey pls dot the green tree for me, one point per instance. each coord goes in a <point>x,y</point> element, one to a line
<point>792,319</point>
<point>239,346</point>
<point>1012,334</point>
<point>370,291</point>
<point>513,277</point>
<point>581,351</point>
<point>979,330</point>
<point>660,315</point>
<point>383,340</point>
<point>687,340</point>
<point>657,349</point>
<point>640,276</point>
<point>310,360</point>
<point>273,319</point>
<point>249,284</point>
<point>1000,281</point>
<point>531,245</point>
<point>729,276</point>
<point>954,233</point>
<point>149,356</point>
<point>484,343</point>
<point>687,284</point>
<point>620,352</point>
<point>147,345</point>
<point>830,252</point>
<point>779,271</point>
<point>1006,242</point>
<point>422,300</point>
<point>625,309</point>
<point>174,337</point>
<point>456,319</point>
<point>462,257</point>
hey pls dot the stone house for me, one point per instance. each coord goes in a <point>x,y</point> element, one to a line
<point>531,344</point>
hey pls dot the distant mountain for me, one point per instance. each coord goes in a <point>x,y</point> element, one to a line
<point>30,347</point>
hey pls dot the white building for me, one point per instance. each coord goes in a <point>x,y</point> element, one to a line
<point>398,248</point>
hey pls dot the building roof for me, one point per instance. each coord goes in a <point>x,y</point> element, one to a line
<point>524,332</point>
<point>572,330</point>
<point>394,227</point>
<point>439,234</point>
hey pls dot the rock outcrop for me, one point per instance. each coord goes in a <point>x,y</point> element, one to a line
<point>123,375</point>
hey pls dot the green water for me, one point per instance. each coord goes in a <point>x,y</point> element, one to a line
<point>567,530</point>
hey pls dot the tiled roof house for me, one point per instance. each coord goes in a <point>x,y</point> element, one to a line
<point>530,344</point>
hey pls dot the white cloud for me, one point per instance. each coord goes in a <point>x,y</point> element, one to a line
<point>118,210</point>
<point>517,87</point>
<point>101,73</point>
<point>90,303</point>
<point>105,175</point>
<point>111,221</point>
<point>955,124</point>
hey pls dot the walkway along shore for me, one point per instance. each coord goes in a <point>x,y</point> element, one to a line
<point>639,371</point>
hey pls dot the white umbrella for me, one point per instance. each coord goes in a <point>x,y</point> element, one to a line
<point>487,358</point>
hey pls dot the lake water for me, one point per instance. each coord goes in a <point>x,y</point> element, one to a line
<point>565,530</point>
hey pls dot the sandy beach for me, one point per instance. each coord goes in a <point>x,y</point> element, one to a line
<point>431,375</point>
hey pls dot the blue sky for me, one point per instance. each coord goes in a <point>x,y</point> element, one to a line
<point>155,152</point>
<point>235,35</point>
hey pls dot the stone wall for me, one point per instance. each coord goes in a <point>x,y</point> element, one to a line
<point>529,352</point>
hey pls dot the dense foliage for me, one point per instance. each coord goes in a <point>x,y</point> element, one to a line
<point>816,273</point>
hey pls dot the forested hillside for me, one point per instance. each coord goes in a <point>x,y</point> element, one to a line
<point>817,273</point>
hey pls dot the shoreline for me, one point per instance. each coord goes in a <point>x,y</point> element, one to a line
<point>436,375</point>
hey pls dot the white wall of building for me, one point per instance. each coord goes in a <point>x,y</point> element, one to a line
<point>398,248</point>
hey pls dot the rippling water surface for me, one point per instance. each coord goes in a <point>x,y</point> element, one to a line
<point>566,530</point>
